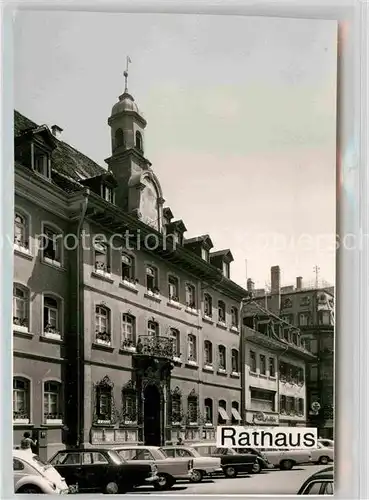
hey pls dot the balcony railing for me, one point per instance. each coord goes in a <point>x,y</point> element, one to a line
<point>160,347</point>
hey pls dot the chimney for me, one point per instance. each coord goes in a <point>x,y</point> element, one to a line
<point>275,292</point>
<point>275,279</point>
<point>299,283</point>
<point>250,285</point>
<point>56,131</point>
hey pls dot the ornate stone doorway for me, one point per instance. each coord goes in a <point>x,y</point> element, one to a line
<point>152,416</point>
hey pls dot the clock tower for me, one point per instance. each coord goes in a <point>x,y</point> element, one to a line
<point>139,191</point>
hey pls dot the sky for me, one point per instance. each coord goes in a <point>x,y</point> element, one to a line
<point>241,121</point>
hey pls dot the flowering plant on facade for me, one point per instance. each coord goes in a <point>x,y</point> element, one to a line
<point>20,321</point>
<point>191,305</point>
<point>174,298</point>
<point>51,329</point>
<point>128,344</point>
<point>104,336</point>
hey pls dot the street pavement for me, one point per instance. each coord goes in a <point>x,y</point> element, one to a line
<point>274,482</point>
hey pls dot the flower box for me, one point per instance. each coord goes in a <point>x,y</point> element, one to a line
<point>54,421</point>
<point>177,359</point>
<point>103,341</point>
<point>52,262</point>
<point>191,362</point>
<point>22,248</point>
<point>209,368</point>
<point>130,284</point>
<point>20,420</point>
<point>208,424</point>
<point>20,328</point>
<point>106,422</point>
<point>52,335</point>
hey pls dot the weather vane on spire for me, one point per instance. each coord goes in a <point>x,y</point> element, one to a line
<point>128,61</point>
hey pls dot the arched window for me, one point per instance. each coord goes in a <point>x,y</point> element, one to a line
<point>234,317</point>
<point>221,312</point>
<point>21,306</point>
<point>102,325</point>
<point>176,414</point>
<point>52,248</point>
<point>192,408</point>
<point>128,269</point>
<point>208,306</point>
<point>128,331</point>
<point>119,138</point>
<point>21,230</point>
<point>190,296</point>
<point>21,400</point>
<point>129,401</point>
<point>173,289</point>
<point>52,402</point>
<point>101,256</point>
<point>176,342</point>
<point>52,316</point>
<point>235,359</point>
<point>222,412</point>
<point>222,358</point>
<point>139,144</point>
<point>208,406</point>
<point>236,417</point>
<point>192,351</point>
<point>104,400</point>
<point>208,353</point>
<point>152,329</point>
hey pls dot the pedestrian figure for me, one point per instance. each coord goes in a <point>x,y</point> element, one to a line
<point>27,442</point>
<point>180,441</point>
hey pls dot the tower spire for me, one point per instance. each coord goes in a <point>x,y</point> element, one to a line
<point>128,61</point>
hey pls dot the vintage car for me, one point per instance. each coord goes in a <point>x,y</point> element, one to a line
<point>232,463</point>
<point>320,483</point>
<point>286,459</point>
<point>328,443</point>
<point>101,470</point>
<point>168,469</point>
<point>33,475</point>
<point>322,455</point>
<point>202,466</point>
<point>263,462</point>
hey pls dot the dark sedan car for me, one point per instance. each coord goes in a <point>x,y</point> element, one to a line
<point>234,463</point>
<point>262,464</point>
<point>320,483</point>
<point>96,470</point>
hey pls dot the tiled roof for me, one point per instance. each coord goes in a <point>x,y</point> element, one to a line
<point>65,159</point>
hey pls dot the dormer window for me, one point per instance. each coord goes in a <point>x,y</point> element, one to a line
<point>226,269</point>
<point>107,193</point>
<point>205,254</point>
<point>41,164</point>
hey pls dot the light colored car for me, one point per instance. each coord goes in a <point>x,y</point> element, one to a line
<point>33,475</point>
<point>286,459</point>
<point>328,443</point>
<point>169,469</point>
<point>202,466</point>
<point>322,455</point>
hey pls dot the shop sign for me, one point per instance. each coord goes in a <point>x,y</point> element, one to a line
<point>262,418</point>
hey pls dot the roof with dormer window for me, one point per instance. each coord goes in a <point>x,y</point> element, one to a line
<point>204,239</point>
<point>225,254</point>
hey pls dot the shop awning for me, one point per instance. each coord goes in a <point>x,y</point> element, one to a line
<point>235,414</point>
<point>223,413</point>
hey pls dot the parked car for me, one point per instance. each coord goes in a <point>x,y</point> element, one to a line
<point>322,455</point>
<point>101,470</point>
<point>328,443</point>
<point>202,466</point>
<point>286,459</point>
<point>320,483</point>
<point>168,469</point>
<point>263,462</point>
<point>234,463</point>
<point>33,475</point>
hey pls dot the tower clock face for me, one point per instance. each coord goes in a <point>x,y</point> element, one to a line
<point>149,204</point>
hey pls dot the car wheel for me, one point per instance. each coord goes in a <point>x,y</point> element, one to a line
<point>163,483</point>
<point>323,460</point>
<point>197,476</point>
<point>256,468</point>
<point>286,464</point>
<point>112,488</point>
<point>30,489</point>
<point>230,472</point>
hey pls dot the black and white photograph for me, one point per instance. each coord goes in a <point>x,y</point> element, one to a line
<point>174,252</point>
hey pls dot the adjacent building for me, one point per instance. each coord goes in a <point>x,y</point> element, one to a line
<point>124,331</point>
<point>311,310</point>
<point>275,378</point>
